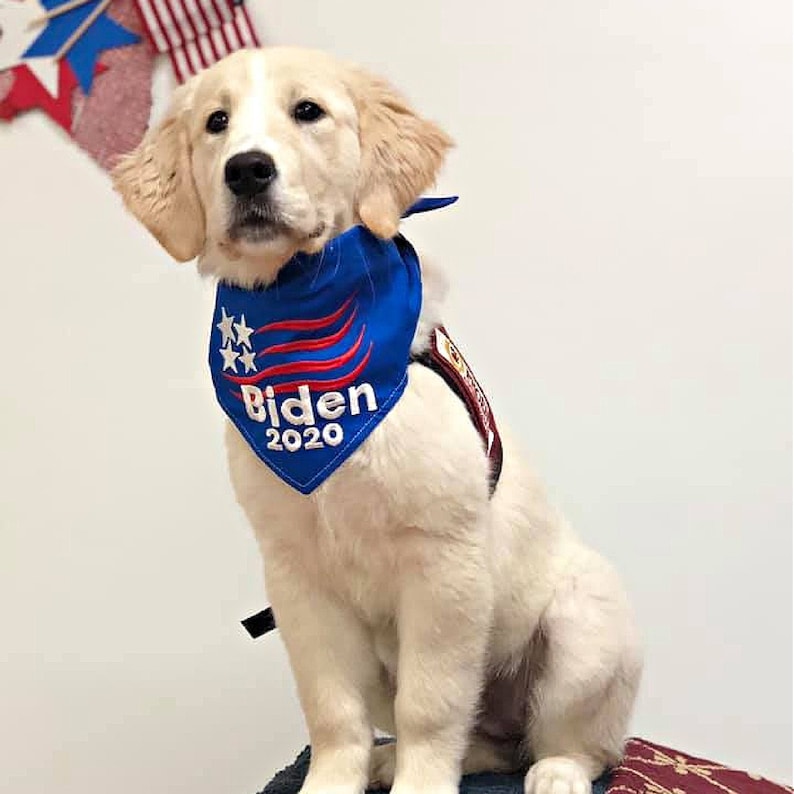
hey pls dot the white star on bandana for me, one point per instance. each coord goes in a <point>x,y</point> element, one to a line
<point>248,359</point>
<point>243,333</point>
<point>229,358</point>
<point>225,327</point>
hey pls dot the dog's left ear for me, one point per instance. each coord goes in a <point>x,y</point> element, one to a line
<point>401,154</point>
<point>156,182</point>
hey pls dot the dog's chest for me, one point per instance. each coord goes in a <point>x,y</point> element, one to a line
<point>422,461</point>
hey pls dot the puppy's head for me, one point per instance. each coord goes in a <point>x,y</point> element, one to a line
<point>274,151</point>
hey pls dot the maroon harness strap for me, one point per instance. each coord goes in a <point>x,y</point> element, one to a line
<point>444,358</point>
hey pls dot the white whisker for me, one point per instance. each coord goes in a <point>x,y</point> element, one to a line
<point>338,259</point>
<point>319,267</point>
<point>366,270</point>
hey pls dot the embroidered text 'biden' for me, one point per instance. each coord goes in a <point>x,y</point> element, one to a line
<point>304,411</point>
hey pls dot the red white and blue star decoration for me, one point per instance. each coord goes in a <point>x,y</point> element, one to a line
<point>100,35</point>
<point>112,118</point>
<point>40,80</point>
<point>50,53</point>
<point>53,51</point>
<point>29,92</point>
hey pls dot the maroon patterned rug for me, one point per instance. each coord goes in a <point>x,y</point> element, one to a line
<point>649,768</point>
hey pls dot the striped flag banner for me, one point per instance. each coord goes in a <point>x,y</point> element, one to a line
<point>197,33</point>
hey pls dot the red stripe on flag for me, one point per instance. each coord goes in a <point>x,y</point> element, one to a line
<point>184,19</point>
<point>209,12</point>
<point>208,37</point>
<point>152,25</point>
<point>163,22</point>
<point>238,29</point>
<point>194,17</point>
<point>207,8</point>
<point>202,24</point>
<point>181,21</point>
<point>231,32</point>
<point>207,52</point>
<point>245,22</point>
<point>194,56</point>
<point>177,59</point>
<point>219,6</point>
<point>226,8</point>
<point>221,45</point>
<point>203,52</point>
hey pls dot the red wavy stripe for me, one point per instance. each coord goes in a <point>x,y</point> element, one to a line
<point>307,325</point>
<point>326,385</point>
<point>301,366</point>
<point>317,385</point>
<point>310,344</point>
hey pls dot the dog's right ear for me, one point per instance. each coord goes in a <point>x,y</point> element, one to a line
<point>156,183</point>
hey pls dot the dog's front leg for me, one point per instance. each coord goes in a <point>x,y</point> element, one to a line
<point>334,665</point>
<point>443,623</point>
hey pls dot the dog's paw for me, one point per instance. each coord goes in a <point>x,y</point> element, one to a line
<point>557,775</point>
<point>381,766</point>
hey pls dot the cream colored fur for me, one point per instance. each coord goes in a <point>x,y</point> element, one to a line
<point>479,631</point>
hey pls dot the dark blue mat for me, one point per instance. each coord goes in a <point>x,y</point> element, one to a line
<point>289,781</point>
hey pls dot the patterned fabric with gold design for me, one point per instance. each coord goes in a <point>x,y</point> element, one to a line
<point>649,768</point>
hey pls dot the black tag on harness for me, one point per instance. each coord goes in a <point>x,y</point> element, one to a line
<point>259,624</point>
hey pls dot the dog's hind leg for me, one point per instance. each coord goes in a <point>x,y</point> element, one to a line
<point>488,755</point>
<point>581,699</point>
<point>483,755</point>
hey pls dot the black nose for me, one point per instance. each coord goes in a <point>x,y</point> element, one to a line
<point>249,173</point>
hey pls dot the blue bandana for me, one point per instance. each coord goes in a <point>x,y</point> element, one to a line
<point>309,366</point>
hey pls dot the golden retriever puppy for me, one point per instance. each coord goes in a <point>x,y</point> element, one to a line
<point>473,627</point>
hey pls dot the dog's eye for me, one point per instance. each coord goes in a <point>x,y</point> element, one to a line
<point>217,121</point>
<point>306,112</point>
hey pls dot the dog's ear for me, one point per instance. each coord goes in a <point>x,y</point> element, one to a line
<point>401,154</point>
<point>156,183</point>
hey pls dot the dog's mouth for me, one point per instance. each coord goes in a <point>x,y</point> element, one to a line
<point>257,222</point>
<point>261,222</point>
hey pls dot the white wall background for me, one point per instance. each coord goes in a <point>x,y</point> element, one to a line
<point>622,258</point>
